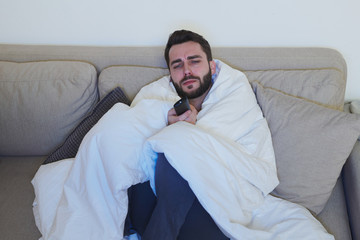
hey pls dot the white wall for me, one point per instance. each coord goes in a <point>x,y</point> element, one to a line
<point>323,23</point>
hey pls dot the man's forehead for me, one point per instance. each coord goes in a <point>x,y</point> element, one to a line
<point>185,51</point>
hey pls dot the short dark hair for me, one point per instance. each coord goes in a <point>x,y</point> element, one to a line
<point>182,36</point>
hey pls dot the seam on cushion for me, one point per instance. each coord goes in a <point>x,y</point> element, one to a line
<point>133,66</point>
<point>50,60</point>
<point>298,97</point>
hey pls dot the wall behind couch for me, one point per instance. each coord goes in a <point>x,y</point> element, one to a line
<point>319,23</point>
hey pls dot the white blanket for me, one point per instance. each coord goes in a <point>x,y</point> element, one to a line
<point>227,158</point>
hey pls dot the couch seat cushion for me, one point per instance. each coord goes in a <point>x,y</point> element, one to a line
<point>17,196</point>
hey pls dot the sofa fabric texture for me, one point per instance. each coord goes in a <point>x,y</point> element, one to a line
<point>48,97</point>
<point>16,198</point>
<point>131,78</point>
<point>41,102</point>
<point>323,86</point>
<point>299,130</point>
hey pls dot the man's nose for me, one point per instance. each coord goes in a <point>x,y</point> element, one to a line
<point>187,70</point>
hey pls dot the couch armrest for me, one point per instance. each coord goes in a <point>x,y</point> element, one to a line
<point>351,180</point>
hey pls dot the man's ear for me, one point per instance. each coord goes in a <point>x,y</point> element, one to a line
<point>212,67</point>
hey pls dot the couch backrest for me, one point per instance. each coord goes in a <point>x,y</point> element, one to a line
<point>46,115</point>
<point>281,67</point>
<point>41,102</point>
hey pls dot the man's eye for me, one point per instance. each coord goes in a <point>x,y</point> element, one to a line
<point>177,66</point>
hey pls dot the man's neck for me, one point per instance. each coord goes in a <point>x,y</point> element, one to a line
<point>197,102</point>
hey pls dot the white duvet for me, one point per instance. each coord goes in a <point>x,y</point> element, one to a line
<point>227,158</point>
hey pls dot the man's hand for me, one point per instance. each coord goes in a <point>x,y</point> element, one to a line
<point>188,116</point>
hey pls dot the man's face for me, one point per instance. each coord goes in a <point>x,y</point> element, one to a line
<point>189,69</point>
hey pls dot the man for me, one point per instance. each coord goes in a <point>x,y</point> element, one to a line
<point>179,215</point>
<point>189,60</point>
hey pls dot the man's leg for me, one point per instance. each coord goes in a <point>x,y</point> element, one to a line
<point>178,214</point>
<point>199,225</point>
<point>175,198</point>
<point>142,202</point>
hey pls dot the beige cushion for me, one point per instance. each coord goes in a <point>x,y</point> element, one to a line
<point>311,145</point>
<point>322,86</point>
<point>355,106</point>
<point>130,78</point>
<point>41,102</point>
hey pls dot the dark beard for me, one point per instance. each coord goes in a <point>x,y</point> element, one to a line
<point>204,86</point>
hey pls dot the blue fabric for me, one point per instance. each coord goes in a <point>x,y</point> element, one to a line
<point>142,202</point>
<point>175,199</point>
<point>174,214</point>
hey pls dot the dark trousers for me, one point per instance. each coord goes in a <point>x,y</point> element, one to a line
<point>174,214</point>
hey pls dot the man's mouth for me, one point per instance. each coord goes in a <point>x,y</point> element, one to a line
<point>188,80</point>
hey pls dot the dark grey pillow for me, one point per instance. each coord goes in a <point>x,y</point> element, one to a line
<point>72,143</point>
<point>311,145</point>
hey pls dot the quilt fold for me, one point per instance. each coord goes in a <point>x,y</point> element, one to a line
<point>227,158</point>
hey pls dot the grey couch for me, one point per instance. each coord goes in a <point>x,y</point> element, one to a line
<point>46,91</point>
